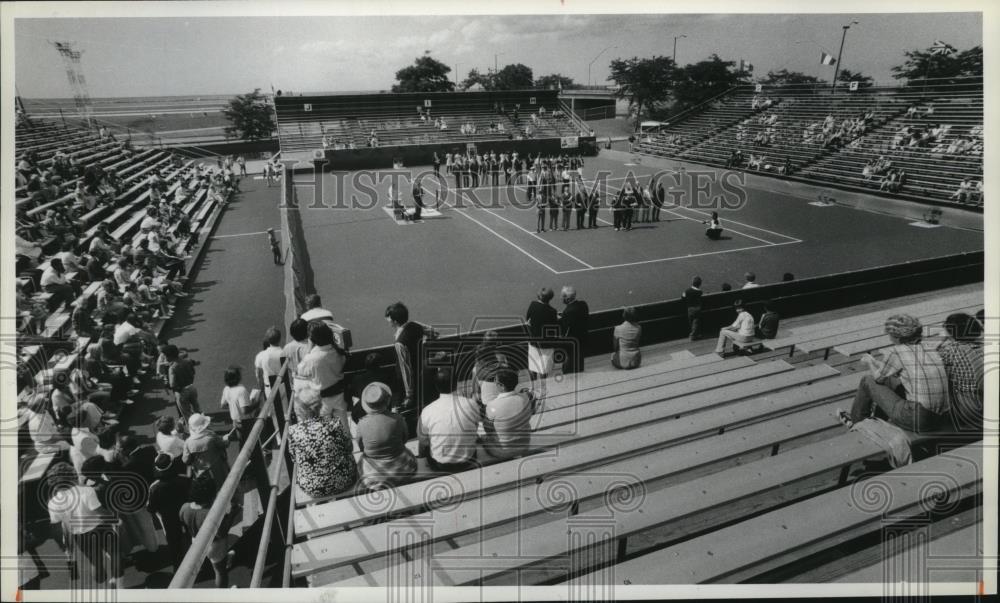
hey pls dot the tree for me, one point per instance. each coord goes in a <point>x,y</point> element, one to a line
<point>250,116</point>
<point>643,82</point>
<point>698,82</point>
<point>426,74</point>
<point>847,76</point>
<point>513,77</point>
<point>785,77</point>
<point>947,68</point>
<point>554,81</point>
<point>483,79</point>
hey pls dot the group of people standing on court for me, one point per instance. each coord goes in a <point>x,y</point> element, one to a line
<point>630,204</point>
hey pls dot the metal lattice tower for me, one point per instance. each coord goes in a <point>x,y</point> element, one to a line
<point>77,81</point>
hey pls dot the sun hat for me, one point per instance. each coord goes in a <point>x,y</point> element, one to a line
<point>198,423</point>
<point>375,397</point>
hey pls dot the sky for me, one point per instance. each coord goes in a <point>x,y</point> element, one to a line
<point>142,56</point>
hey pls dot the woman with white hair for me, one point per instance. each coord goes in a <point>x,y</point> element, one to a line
<point>321,448</point>
<point>908,385</point>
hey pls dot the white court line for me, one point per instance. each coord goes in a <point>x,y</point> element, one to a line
<point>679,257</point>
<point>784,236</point>
<point>503,238</point>
<point>244,234</point>
<point>790,239</point>
<point>556,247</point>
<point>704,213</point>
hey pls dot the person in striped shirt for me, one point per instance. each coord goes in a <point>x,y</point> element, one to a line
<point>907,385</point>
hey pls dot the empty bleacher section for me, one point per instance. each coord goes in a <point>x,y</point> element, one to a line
<point>358,121</point>
<point>933,136</point>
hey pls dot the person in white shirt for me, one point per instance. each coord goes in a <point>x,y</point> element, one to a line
<point>751,280</point>
<point>447,428</point>
<point>298,345</point>
<point>507,418</point>
<point>54,281</point>
<point>149,222</point>
<point>741,330</point>
<point>168,437</point>
<point>267,363</point>
<point>236,398</point>
<point>323,369</point>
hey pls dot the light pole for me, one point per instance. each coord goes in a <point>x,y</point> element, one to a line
<point>495,64</point>
<point>674,58</point>
<point>591,64</point>
<point>836,68</point>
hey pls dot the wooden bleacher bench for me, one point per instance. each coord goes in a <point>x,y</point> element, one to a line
<point>36,467</point>
<point>644,427</point>
<point>941,552</point>
<point>593,488</point>
<point>573,416</point>
<point>780,537</point>
<point>815,335</point>
<point>676,367</point>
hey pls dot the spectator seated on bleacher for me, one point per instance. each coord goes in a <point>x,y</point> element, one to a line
<point>742,329</point>
<point>31,313</point>
<point>169,436</point>
<point>767,327</point>
<point>507,417</point>
<point>964,191</point>
<point>908,385</point>
<point>321,448</point>
<point>962,354</point>
<point>385,460</point>
<point>447,428</point>
<point>893,181</point>
<point>45,435</point>
<point>55,281</point>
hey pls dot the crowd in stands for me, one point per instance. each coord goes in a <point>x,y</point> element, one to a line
<point>80,377</point>
<point>396,129</point>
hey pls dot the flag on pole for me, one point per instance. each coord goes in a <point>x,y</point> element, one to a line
<point>826,59</point>
<point>942,48</point>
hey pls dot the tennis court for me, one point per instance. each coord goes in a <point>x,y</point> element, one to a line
<point>476,259</point>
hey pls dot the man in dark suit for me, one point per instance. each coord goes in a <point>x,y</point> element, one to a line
<point>659,196</point>
<point>580,204</point>
<point>574,323</point>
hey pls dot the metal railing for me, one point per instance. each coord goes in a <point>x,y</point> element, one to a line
<point>277,409</point>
